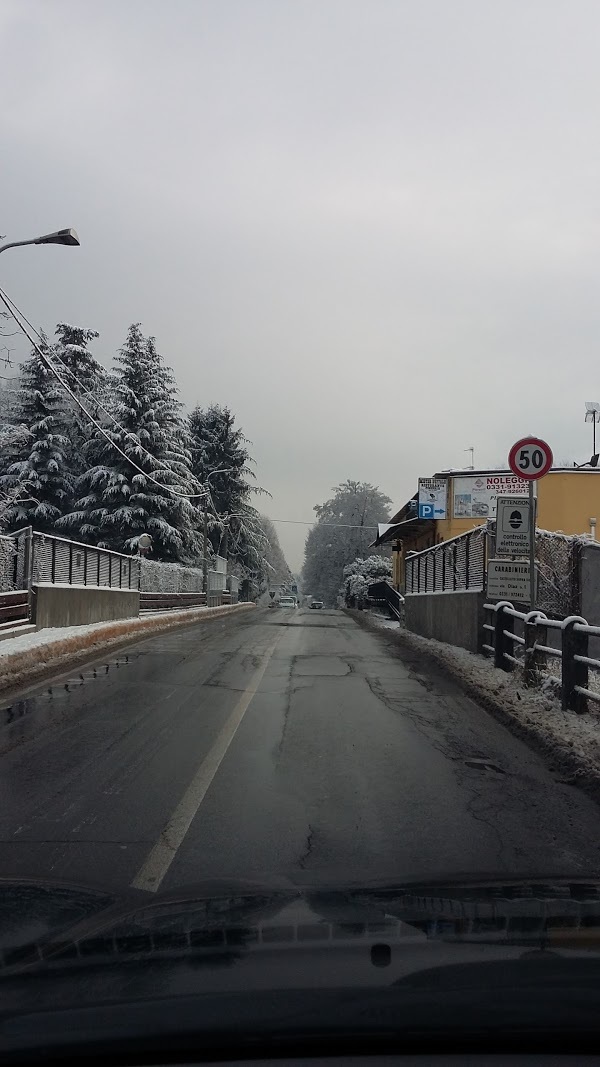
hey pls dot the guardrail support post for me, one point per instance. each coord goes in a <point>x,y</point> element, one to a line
<point>574,673</point>
<point>534,630</point>
<point>502,643</point>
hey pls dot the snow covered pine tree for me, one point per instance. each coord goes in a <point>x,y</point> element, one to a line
<point>87,379</point>
<point>36,480</point>
<point>118,503</point>
<point>234,526</point>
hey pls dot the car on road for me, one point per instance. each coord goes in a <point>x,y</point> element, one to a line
<point>316,604</point>
<point>287,602</point>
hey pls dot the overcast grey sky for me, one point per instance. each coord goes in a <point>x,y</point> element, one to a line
<point>371,228</point>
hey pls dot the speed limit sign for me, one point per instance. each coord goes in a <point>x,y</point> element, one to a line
<point>530,458</point>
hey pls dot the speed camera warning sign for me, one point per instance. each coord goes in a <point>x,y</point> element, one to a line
<point>513,523</point>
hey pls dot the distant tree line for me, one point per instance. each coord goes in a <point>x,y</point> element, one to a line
<point>346,525</point>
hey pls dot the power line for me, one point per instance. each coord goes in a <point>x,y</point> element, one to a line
<point>315,522</point>
<point>48,363</point>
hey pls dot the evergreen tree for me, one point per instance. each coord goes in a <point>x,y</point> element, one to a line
<point>118,503</point>
<point>222,463</point>
<point>36,479</point>
<point>87,379</point>
<point>346,525</point>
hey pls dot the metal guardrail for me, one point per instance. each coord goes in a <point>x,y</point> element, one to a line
<point>452,566</point>
<point>14,608</point>
<point>151,602</point>
<point>534,648</point>
<point>384,593</point>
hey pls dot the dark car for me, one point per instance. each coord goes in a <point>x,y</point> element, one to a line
<point>316,603</point>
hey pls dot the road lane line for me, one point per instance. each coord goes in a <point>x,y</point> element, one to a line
<point>155,867</point>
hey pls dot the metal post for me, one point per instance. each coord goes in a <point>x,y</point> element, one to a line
<point>205,555</point>
<point>574,673</point>
<point>502,643</point>
<point>110,570</point>
<point>85,566</point>
<point>98,553</point>
<point>532,522</point>
<point>534,630</point>
<point>467,544</point>
<point>70,564</point>
<point>53,563</point>
<point>443,569</point>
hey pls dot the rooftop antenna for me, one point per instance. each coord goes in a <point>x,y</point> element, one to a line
<point>472,451</point>
<point>592,414</point>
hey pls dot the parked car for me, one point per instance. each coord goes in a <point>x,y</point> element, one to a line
<point>316,603</point>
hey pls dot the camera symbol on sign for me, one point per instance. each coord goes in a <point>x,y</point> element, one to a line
<point>516,520</point>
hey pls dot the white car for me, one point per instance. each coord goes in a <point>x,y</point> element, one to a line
<point>287,602</point>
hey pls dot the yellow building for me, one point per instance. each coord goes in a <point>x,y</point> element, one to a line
<point>568,502</point>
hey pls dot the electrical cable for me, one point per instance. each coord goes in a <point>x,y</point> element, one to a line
<point>12,308</point>
<point>48,363</point>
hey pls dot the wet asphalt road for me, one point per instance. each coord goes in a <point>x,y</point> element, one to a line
<point>288,744</point>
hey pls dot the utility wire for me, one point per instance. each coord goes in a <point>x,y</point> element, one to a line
<point>315,522</point>
<point>16,313</point>
<point>48,363</point>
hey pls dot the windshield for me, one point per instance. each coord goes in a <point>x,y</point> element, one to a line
<point>299,485</point>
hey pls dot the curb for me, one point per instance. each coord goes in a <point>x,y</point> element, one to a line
<point>545,744</point>
<point>34,664</point>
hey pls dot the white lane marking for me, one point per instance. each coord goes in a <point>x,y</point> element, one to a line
<point>155,867</point>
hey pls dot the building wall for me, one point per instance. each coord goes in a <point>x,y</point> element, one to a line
<point>566,502</point>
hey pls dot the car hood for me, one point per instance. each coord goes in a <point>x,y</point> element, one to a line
<point>44,921</point>
<point>229,956</point>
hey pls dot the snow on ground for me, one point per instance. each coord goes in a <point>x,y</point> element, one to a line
<point>571,741</point>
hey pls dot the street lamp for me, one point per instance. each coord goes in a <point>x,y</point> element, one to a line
<point>59,237</point>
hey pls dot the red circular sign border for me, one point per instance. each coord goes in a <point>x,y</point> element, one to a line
<point>543,470</point>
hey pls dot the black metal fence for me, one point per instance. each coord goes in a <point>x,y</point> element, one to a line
<point>453,565</point>
<point>46,558</point>
<point>538,645</point>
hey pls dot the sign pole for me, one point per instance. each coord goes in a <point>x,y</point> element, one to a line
<point>532,522</point>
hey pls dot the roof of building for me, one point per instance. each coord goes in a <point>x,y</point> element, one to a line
<point>502,471</point>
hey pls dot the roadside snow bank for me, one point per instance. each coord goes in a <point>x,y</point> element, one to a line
<point>26,659</point>
<point>571,741</point>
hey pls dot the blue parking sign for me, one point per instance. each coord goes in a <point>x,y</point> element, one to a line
<point>426,511</point>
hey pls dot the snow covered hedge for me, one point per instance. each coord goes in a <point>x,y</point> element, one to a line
<point>8,550</point>
<point>169,578</point>
<point>362,573</point>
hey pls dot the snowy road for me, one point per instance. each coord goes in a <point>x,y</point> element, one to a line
<point>274,744</point>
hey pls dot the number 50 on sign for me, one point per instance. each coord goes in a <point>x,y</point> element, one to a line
<point>530,458</point>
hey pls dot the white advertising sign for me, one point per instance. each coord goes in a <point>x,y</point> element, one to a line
<point>508,580</point>
<point>512,526</point>
<point>432,498</point>
<point>475,497</point>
